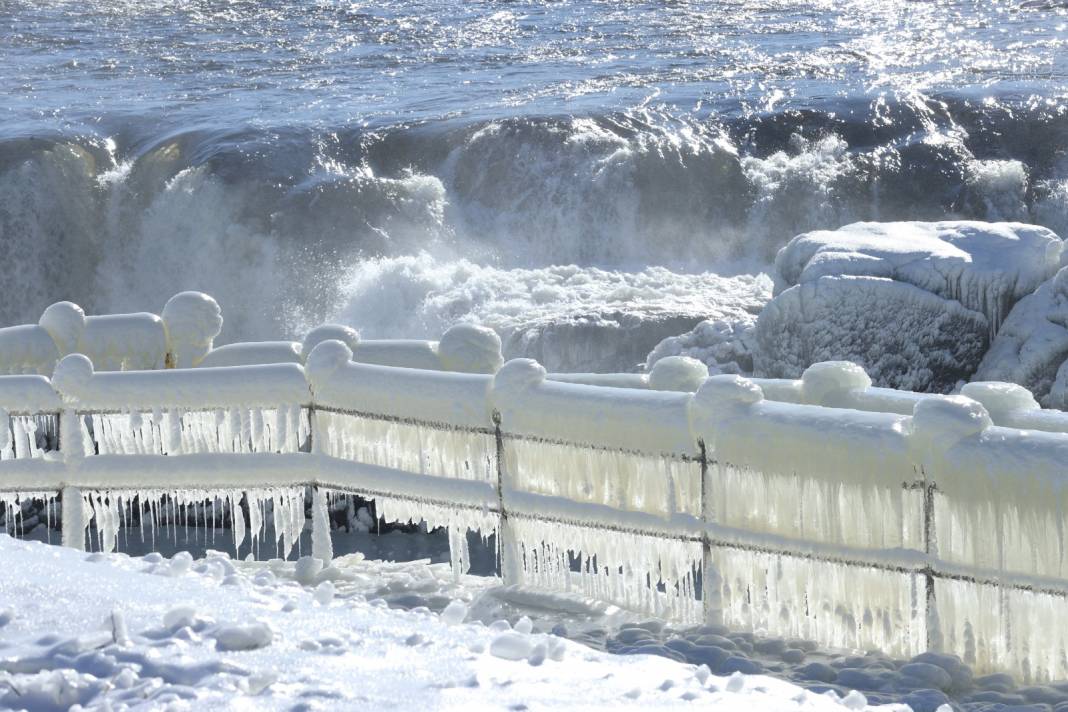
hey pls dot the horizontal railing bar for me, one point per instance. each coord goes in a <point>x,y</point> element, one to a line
<point>372,494</point>
<point>198,409</point>
<point>437,425</point>
<point>601,448</point>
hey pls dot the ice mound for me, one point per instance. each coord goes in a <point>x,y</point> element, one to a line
<point>1031,348</point>
<point>987,267</point>
<point>904,337</point>
<point>916,304</point>
<point>723,346</point>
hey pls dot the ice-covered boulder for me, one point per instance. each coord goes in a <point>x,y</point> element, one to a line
<point>1031,348</point>
<point>987,267</point>
<point>724,346</point>
<point>902,336</point>
<point>915,304</point>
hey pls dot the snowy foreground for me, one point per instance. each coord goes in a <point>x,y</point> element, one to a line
<point>112,631</point>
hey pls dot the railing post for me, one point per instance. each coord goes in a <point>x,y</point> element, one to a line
<point>73,518</point>
<point>507,550</point>
<point>322,546</point>
<point>711,601</point>
<point>930,548</point>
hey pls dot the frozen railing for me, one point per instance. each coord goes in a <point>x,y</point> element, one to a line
<point>934,529</point>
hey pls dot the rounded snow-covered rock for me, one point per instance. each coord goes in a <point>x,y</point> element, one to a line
<point>903,336</point>
<point>64,322</point>
<point>519,374</point>
<point>469,348</point>
<point>1031,347</point>
<point>192,321</point>
<point>329,332</point>
<point>823,383</point>
<point>677,373</point>
<point>72,375</point>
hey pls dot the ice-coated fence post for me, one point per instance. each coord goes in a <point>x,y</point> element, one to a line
<point>710,594</point>
<point>507,551</point>
<point>934,629</point>
<point>73,518</point>
<point>322,546</point>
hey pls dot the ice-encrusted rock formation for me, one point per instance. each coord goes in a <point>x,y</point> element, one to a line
<point>916,304</point>
<point>724,346</point>
<point>1032,346</point>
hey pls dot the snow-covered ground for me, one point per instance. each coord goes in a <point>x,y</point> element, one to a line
<point>116,632</point>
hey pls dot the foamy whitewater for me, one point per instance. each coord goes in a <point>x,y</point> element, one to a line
<point>401,166</point>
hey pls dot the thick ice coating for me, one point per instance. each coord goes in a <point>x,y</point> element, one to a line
<point>250,353</point>
<point>192,320</point>
<point>677,373</point>
<point>1032,346</point>
<point>64,322</point>
<point>27,348</point>
<point>822,383</point>
<point>987,267</point>
<point>469,348</point>
<point>326,332</point>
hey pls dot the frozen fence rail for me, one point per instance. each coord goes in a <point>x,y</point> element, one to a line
<point>905,531</point>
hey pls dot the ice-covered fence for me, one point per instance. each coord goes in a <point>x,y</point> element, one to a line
<point>610,477</point>
<point>463,348</point>
<point>179,337</point>
<point>902,531</point>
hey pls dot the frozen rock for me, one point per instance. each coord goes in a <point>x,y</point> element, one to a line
<point>454,613</point>
<point>307,569</point>
<point>724,346</point>
<point>987,267</point>
<point>1031,347</point>
<point>915,304</point>
<point>903,336</point>
<point>512,646</point>
<point>243,637</point>
<point>324,593</point>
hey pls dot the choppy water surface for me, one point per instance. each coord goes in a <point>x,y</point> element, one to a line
<point>297,158</point>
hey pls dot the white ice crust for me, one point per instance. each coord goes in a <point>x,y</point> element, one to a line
<point>915,303</point>
<point>987,267</point>
<point>1032,346</point>
<point>251,353</point>
<point>27,348</point>
<point>193,320</point>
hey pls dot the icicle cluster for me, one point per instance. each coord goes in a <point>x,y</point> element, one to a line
<point>279,511</point>
<point>638,572</point>
<point>657,484</point>
<point>25,436</point>
<point>458,521</point>
<point>460,454</point>
<point>994,628</point>
<point>798,506</point>
<point>14,505</point>
<point>176,431</point>
<point>840,606</point>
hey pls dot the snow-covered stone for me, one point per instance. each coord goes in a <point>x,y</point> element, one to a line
<point>1032,346</point>
<point>724,346</point>
<point>987,267</point>
<point>903,336</point>
<point>914,303</point>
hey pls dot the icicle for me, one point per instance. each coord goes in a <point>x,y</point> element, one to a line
<point>5,430</point>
